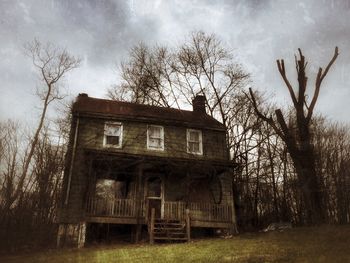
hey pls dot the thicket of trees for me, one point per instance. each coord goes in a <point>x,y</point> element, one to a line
<point>283,173</point>
<point>269,188</point>
<point>31,162</point>
<point>268,183</point>
<point>27,212</point>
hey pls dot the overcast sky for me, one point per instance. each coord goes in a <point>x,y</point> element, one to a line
<point>102,31</point>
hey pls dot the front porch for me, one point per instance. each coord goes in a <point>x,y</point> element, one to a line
<point>125,189</point>
<point>131,211</point>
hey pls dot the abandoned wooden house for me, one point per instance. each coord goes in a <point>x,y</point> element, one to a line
<point>155,170</point>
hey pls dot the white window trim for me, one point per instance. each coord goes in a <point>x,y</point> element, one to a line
<point>120,136</point>
<point>200,142</point>
<point>161,135</point>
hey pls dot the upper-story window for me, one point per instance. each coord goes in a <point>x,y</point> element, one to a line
<point>113,134</point>
<point>155,137</point>
<point>194,142</point>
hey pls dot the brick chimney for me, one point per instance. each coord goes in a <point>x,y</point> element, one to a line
<point>198,104</point>
<point>82,96</point>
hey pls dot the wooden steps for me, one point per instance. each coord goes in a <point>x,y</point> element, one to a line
<point>165,229</point>
<point>171,238</point>
<point>168,229</point>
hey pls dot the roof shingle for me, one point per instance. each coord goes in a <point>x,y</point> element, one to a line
<point>126,110</point>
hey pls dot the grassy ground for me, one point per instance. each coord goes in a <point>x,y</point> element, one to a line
<point>322,244</point>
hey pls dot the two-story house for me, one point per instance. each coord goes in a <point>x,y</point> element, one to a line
<point>161,169</point>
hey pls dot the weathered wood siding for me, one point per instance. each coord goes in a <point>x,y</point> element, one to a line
<point>175,188</point>
<point>91,134</point>
<point>74,211</point>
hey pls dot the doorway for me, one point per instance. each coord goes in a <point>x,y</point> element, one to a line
<point>154,196</point>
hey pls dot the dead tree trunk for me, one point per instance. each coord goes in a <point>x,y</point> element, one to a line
<point>299,140</point>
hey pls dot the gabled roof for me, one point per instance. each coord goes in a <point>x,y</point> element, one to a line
<point>85,105</point>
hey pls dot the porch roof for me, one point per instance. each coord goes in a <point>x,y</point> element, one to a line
<point>135,159</point>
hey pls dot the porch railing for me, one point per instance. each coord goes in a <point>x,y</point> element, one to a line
<point>210,212</point>
<point>198,211</point>
<point>172,210</point>
<point>114,207</point>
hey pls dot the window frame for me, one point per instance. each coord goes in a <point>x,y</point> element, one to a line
<point>200,137</point>
<point>161,137</point>
<point>120,135</point>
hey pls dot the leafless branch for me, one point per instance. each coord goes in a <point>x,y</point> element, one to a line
<point>320,76</point>
<point>282,70</point>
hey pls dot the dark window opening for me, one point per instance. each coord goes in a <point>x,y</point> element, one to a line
<point>112,189</point>
<point>112,140</point>
<point>154,187</point>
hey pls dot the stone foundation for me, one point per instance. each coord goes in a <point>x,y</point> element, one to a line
<point>71,235</point>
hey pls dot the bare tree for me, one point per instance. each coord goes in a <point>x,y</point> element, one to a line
<point>298,139</point>
<point>163,77</point>
<point>146,77</point>
<point>52,64</point>
<point>11,162</point>
<point>32,163</point>
<point>332,145</point>
<point>34,211</point>
<point>48,170</point>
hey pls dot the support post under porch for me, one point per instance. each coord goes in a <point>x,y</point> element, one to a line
<point>188,225</point>
<point>71,235</point>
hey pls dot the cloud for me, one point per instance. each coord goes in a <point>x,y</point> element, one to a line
<point>102,32</point>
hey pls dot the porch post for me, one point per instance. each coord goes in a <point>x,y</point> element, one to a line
<point>234,223</point>
<point>151,233</point>
<point>187,186</point>
<point>188,225</point>
<point>138,202</point>
<point>71,235</point>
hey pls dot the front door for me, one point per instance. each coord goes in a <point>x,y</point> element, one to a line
<point>154,196</point>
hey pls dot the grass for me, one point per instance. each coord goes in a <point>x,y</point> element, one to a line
<point>321,244</point>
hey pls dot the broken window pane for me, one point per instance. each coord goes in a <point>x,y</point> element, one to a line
<point>112,129</point>
<point>111,189</point>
